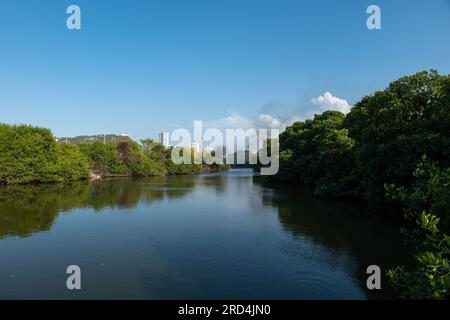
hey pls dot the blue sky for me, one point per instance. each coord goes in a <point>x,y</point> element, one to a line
<point>140,67</point>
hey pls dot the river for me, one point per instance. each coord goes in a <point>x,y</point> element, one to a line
<point>211,236</point>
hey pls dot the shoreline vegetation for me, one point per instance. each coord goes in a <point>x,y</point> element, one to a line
<point>30,155</point>
<point>392,150</point>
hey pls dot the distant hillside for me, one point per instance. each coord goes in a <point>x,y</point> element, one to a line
<point>96,138</point>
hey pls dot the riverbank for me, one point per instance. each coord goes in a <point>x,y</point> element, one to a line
<point>32,155</point>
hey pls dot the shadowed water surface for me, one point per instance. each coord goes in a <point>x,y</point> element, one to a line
<point>217,236</point>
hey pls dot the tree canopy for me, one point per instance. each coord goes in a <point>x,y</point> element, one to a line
<point>30,154</point>
<point>392,150</point>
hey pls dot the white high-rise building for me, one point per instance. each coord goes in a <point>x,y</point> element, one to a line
<point>197,147</point>
<point>164,139</point>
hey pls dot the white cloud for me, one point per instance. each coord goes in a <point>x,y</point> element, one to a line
<point>234,121</point>
<point>270,121</point>
<point>276,120</point>
<point>277,117</point>
<point>328,102</point>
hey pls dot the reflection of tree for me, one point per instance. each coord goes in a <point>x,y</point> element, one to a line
<point>341,225</point>
<point>25,209</point>
<point>159,188</point>
<point>28,209</point>
<point>220,181</point>
<point>121,193</point>
<point>217,182</point>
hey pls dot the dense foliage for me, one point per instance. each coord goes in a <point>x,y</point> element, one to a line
<point>393,151</point>
<point>394,127</point>
<point>104,158</point>
<point>380,141</point>
<point>29,154</point>
<point>123,158</point>
<point>32,155</point>
<point>427,202</point>
<point>128,158</point>
<point>318,152</point>
<point>162,155</point>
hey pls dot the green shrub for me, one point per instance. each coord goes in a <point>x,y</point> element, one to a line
<point>318,152</point>
<point>427,202</point>
<point>30,154</point>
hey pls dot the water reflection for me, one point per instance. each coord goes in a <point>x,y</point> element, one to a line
<point>224,235</point>
<point>26,209</point>
<point>346,226</point>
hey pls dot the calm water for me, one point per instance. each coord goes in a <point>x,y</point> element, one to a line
<point>209,236</point>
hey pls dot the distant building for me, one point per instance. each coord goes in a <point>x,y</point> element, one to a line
<point>164,139</point>
<point>196,147</point>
